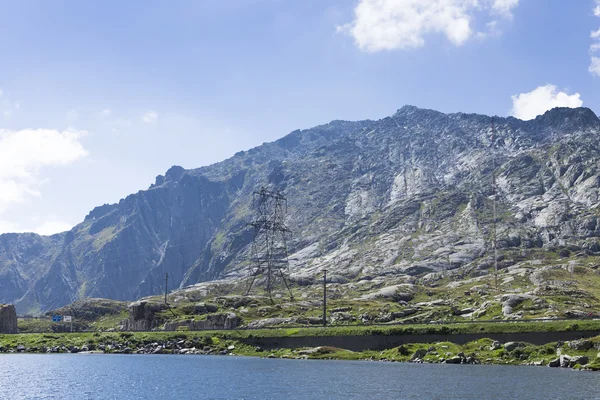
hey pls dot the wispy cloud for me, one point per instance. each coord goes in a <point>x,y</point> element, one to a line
<point>531,104</point>
<point>149,117</point>
<point>105,113</point>
<point>7,107</point>
<point>51,226</point>
<point>594,67</point>
<point>48,226</point>
<point>402,24</point>
<point>25,153</point>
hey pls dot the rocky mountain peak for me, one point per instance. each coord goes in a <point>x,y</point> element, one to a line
<point>398,198</point>
<point>567,119</point>
<point>174,173</point>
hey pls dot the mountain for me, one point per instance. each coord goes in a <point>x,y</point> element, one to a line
<point>408,195</point>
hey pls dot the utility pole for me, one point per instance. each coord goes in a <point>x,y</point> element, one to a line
<point>324,297</point>
<point>166,286</point>
<point>494,206</point>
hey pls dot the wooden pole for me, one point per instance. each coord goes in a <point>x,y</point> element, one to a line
<point>166,285</point>
<point>324,297</point>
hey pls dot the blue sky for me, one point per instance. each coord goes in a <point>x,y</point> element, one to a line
<point>97,98</point>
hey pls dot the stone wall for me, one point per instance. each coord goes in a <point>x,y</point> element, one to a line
<point>382,342</point>
<point>8,318</point>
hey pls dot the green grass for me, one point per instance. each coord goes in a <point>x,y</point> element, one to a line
<point>217,342</point>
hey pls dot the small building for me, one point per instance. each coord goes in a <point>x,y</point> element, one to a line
<point>8,318</point>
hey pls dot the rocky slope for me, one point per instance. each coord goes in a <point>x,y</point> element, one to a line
<point>399,201</point>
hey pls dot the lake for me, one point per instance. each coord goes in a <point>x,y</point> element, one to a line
<point>94,376</point>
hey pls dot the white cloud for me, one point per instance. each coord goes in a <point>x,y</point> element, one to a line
<point>504,7</point>
<point>150,117</point>
<point>52,226</point>
<point>8,227</point>
<point>105,113</point>
<point>402,24</point>
<point>529,105</point>
<point>24,153</point>
<point>595,66</point>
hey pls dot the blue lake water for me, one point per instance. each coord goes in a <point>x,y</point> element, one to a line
<point>89,376</point>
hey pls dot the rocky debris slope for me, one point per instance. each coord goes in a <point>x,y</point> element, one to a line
<point>408,196</point>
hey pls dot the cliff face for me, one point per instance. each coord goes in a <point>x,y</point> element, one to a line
<point>121,251</point>
<point>409,194</point>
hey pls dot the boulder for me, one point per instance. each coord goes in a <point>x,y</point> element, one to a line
<point>403,292</point>
<point>454,360</point>
<point>8,318</point>
<point>204,308</point>
<point>340,317</point>
<point>565,361</point>
<point>496,345</point>
<point>419,354</point>
<point>581,360</point>
<point>261,323</point>
<point>580,344</point>
<point>510,301</point>
<point>510,346</point>
<point>404,313</point>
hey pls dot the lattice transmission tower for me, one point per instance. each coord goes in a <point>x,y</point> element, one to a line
<point>269,246</point>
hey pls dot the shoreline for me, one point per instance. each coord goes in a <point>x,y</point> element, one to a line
<point>581,354</point>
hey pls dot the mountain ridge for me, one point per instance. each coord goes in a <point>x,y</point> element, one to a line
<point>342,179</point>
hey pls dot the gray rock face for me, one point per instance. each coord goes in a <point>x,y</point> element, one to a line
<point>8,318</point>
<point>403,196</point>
<point>261,323</point>
<point>212,322</point>
<point>142,316</point>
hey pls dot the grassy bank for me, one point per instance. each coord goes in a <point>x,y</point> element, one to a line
<point>583,353</point>
<point>349,330</point>
<point>484,351</point>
